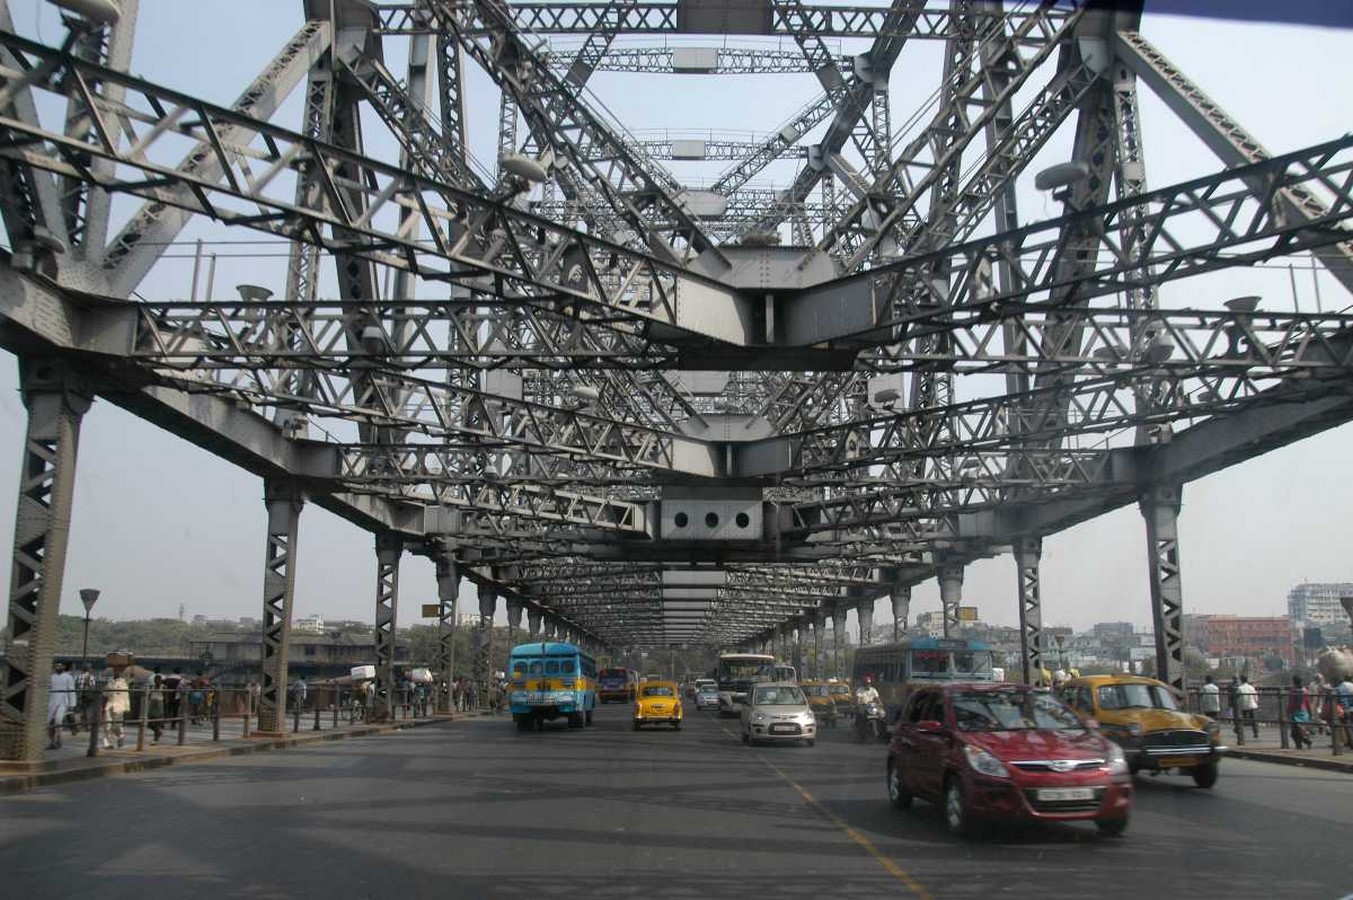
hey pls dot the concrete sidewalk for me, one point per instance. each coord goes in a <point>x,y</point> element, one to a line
<point>16,777</point>
<point>1268,748</point>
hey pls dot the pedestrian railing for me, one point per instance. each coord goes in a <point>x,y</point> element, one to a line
<point>159,717</point>
<point>1325,726</point>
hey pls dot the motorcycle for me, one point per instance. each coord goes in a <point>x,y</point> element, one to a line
<point>872,719</point>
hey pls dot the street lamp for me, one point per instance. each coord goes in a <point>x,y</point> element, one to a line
<point>1061,657</point>
<point>88,596</point>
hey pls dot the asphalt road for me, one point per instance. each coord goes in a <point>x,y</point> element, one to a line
<point>474,809</point>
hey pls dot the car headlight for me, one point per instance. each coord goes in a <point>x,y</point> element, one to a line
<point>759,717</point>
<point>984,763</point>
<point>1213,730</point>
<point>1118,764</point>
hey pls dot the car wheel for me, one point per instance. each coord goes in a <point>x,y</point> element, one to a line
<point>898,796</point>
<point>523,723</point>
<point>676,725</point>
<point>811,742</point>
<point>636,725</point>
<point>1112,827</point>
<point>956,808</point>
<point>746,738</point>
<point>1206,776</point>
<point>588,720</point>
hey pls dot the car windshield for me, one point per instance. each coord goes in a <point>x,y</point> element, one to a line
<point>841,690</point>
<point>1136,696</point>
<point>658,690</point>
<point>1012,711</point>
<point>708,691</point>
<point>779,696</point>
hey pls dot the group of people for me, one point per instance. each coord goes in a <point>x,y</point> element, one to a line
<point>74,701</point>
<point>1307,706</point>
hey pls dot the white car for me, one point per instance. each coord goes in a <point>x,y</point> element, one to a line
<point>777,712</point>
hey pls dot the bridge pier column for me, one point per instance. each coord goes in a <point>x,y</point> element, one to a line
<point>1160,507</point>
<point>514,610</point>
<point>1027,554</point>
<point>533,620</point>
<point>56,402</point>
<point>483,643</point>
<point>389,547</point>
<point>951,595</point>
<point>819,632</point>
<point>284,503</point>
<point>864,617</point>
<point>900,597</point>
<point>448,592</point>
<point>838,640</point>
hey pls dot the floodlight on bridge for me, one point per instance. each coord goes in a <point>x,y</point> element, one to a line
<point>523,166</point>
<point>253,293</point>
<point>1062,175</point>
<point>887,395</point>
<point>1159,349</point>
<point>1243,304</point>
<point>100,12</point>
<point>586,392</point>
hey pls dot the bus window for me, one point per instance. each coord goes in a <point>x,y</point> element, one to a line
<point>536,667</point>
<point>552,667</point>
<point>519,668</point>
<point>930,662</point>
<point>566,667</point>
<point>972,662</point>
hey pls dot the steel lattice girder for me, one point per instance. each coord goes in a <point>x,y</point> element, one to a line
<point>537,485</point>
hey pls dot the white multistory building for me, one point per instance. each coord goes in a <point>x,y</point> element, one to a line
<point>1318,605</point>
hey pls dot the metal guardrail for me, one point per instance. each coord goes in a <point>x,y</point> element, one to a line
<point>1272,711</point>
<point>203,715</point>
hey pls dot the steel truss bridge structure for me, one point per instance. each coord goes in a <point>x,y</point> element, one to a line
<point>642,411</point>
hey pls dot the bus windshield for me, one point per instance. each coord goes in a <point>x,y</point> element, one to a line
<point>945,663</point>
<point>741,672</point>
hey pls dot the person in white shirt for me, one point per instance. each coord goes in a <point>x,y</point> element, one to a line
<point>60,700</point>
<point>1209,698</point>
<point>1247,698</point>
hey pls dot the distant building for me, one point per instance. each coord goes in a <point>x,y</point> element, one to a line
<point>1318,605</point>
<point>1113,631</point>
<point>1251,637</point>
<point>309,624</point>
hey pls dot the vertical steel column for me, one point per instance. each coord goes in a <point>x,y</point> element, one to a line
<point>533,620</point>
<point>838,639</point>
<point>900,597</point>
<point>1027,554</point>
<point>448,592</point>
<point>388,550</point>
<point>514,611</point>
<point>283,503</point>
<point>819,632</point>
<point>951,595</point>
<point>1160,507</point>
<point>483,643</point>
<point>864,617</point>
<point>56,402</point>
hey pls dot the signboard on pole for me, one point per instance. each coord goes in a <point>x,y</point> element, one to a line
<point>967,614</point>
<point>432,610</point>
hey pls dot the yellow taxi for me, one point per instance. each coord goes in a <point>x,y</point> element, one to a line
<point>820,701</point>
<point>1142,716</point>
<point>657,703</point>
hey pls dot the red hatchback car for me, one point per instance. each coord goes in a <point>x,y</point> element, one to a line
<point>1005,752</point>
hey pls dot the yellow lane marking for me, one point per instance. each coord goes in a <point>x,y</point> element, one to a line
<point>892,868</point>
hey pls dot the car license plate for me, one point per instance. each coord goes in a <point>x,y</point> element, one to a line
<point>783,729</point>
<point>1171,762</point>
<point>1055,794</point>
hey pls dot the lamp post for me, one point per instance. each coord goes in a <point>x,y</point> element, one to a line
<point>1061,657</point>
<point>88,596</point>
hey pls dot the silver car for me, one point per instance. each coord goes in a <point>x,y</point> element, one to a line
<point>777,712</point>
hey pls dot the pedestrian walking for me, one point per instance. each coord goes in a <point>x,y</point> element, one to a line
<point>86,687</point>
<point>1343,698</point>
<point>116,703</point>
<point>253,691</point>
<point>155,708</point>
<point>298,691</point>
<point>60,698</point>
<point>1247,699</point>
<point>1299,714</point>
<point>1209,698</point>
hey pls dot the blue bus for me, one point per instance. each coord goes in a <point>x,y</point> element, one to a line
<point>551,680</point>
<point>899,668</point>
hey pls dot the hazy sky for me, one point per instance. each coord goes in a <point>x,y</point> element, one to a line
<point>159,524</point>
